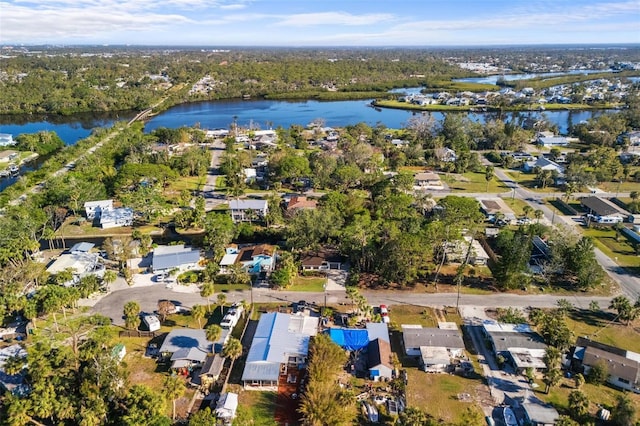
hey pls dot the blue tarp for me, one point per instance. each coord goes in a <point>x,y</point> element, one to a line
<point>349,339</point>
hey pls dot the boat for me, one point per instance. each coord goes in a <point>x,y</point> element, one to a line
<point>509,417</point>
<point>13,169</point>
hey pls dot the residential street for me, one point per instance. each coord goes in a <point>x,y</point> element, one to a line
<point>112,304</point>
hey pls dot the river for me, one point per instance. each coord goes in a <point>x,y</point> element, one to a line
<point>257,113</point>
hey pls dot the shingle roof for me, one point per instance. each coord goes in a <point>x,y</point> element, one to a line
<point>599,206</point>
<point>618,366</point>
<point>379,352</point>
<point>432,337</point>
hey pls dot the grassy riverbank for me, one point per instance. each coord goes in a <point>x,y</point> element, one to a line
<point>471,108</point>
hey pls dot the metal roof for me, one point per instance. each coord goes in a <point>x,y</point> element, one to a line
<point>540,414</point>
<point>247,204</point>
<point>82,247</point>
<point>277,337</point>
<point>378,330</point>
<point>169,259</point>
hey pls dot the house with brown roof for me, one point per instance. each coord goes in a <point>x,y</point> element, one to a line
<point>426,181</point>
<point>321,260</point>
<point>300,202</point>
<point>623,366</point>
<point>253,258</point>
<point>379,356</point>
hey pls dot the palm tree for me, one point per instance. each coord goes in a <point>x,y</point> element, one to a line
<point>173,388</point>
<point>233,349</point>
<point>198,312</point>
<point>538,214</point>
<point>222,300</point>
<point>207,290</point>
<point>109,277</point>
<point>213,332</point>
<point>527,210</point>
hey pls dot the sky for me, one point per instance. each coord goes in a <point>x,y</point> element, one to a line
<point>319,22</point>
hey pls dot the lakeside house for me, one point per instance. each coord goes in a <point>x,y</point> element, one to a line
<point>7,140</point>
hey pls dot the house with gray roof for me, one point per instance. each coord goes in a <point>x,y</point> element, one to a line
<point>435,347</point>
<point>622,365</point>
<point>538,414</point>
<point>601,210</point>
<point>186,347</point>
<point>280,342</point>
<point>517,343</point>
<point>167,258</point>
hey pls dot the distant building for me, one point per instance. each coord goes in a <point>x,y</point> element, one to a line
<point>543,163</point>
<point>8,155</point>
<point>321,260</point>
<point>248,210</point>
<point>446,155</point>
<point>6,139</point>
<point>551,141</point>
<point>93,209</point>
<point>300,202</point>
<point>427,181</point>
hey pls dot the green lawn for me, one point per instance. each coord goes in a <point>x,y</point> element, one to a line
<point>315,284</point>
<point>619,186</point>
<point>528,180</point>
<point>255,408</point>
<point>517,206</point>
<point>473,182</point>
<point>621,251</point>
<point>598,327</point>
<point>597,394</point>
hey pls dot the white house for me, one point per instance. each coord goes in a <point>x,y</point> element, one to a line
<point>6,139</point>
<point>280,344</point>
<point>543,164</point>
<point>248,210</point>
<point>436,347</point>
<point>166,258</point>
<point>446,155</point>
<point>226,407</point>
<point>93,209</point>
<point>113,218</point>
<point>80,263</point>
<point>551,141</point>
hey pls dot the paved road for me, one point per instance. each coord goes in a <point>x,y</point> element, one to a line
<point>629,283</point>
<point>112,304</point>
<point>213,199</point>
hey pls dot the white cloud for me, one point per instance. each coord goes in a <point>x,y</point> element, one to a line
<point>332,18</point>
